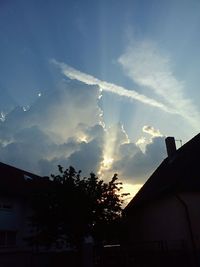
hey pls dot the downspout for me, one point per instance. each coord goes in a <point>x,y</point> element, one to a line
<point>183,203</point>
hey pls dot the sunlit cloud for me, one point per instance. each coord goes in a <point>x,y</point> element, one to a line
<point>151,130</point>
<point>147,66</point>
<point>141,143</point>
<point>110,87</point>
<point>26,108</point>
<point>141,140</point>
<point>2,116</point>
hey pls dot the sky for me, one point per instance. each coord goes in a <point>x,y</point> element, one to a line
<point>97,84</point>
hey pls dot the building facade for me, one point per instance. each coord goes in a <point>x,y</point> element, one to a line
<point>163,219</point>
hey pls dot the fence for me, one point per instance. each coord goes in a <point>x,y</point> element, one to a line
<point>139,254</point>
<point>146,254</point>
<point>30,259</point>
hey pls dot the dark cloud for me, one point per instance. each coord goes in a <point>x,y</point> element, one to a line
<point>136,165</point>
<point>88,157</point>
<point>28,145</point>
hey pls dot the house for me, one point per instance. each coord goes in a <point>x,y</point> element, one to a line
<point>16,190</point>
<point>162,221</point>
<point>16,187</point>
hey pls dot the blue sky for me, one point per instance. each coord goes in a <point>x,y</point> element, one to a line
<point>142,59</point>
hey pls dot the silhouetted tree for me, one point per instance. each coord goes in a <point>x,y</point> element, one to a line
<point>74,207</point>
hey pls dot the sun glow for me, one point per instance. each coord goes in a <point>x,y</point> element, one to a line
<point>108,153</point>
<point>132,189</point>
<point>111,148</point>
<point>107,162</point>
<point>105,165</point>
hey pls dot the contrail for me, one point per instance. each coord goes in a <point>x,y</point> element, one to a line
<point>146,66</point>
<point>109,87</point>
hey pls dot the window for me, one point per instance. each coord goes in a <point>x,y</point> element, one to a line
<point>6,206</point>
<point>7,239</point>
<point>27,178</point>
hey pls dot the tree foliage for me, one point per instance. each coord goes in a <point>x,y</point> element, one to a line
<point>73,207</point>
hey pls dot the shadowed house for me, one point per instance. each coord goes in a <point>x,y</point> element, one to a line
<point>16,187</point>
<point>163,218</point>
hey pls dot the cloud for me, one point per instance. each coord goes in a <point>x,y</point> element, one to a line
<point>151,130</point>
<point>126,158</point>
<point>147,66</point>
<point>51,132</point>
<point>136,165</point>
<point>110,87</point>
<point>88,157</point>
<point>28,145</point>
<point>84,156</point>
<point>141,141</point>
<point>65,126</point>
<point>59,113</point>
<point>2,116</point>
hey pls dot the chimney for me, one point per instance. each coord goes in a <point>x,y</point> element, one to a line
<point>171,146</point>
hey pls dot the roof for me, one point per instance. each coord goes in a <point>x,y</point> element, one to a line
<point>181,173</point>
<point>14,181</point>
